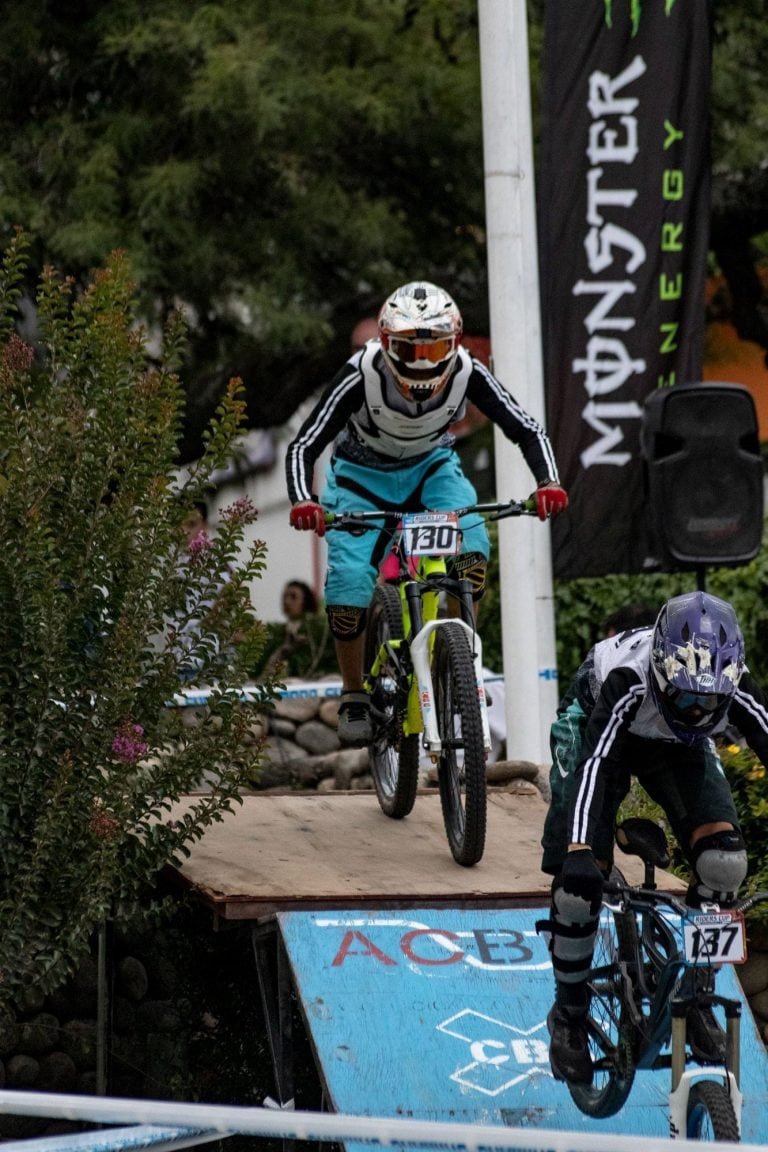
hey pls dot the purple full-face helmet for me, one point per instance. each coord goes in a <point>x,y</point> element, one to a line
<point>697,658</point>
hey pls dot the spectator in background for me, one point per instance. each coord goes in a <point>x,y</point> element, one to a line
<point>305,634</point>
<point>298,600</point>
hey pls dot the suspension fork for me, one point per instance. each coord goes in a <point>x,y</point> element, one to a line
<point>421,607</point>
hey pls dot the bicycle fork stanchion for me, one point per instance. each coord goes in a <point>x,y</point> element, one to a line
<point>683,1078</point>
<point>420,656</point>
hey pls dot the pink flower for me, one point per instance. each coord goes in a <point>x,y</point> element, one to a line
<point>241,511</point>
<point>128,745</point>
<point>199,544</point>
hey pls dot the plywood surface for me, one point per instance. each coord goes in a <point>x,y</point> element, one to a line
<point>338,849</point>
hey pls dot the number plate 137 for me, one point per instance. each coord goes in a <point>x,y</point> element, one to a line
<point>715,938</point>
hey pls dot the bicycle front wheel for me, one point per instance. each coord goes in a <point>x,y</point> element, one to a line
<point>393,757</point>
<point>461,768</point>
<point>710,1113</point>
<point>611,1031</point>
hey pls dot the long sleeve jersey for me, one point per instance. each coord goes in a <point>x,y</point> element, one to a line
<point>614,690</point>
<point>372,424</point>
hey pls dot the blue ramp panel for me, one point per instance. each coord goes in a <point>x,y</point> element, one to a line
<point>441,1014</point>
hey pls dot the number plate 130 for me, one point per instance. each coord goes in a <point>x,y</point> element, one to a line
<point>715,938</point>
<point>431,534</point>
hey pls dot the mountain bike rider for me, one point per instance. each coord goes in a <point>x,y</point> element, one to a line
<point>389,410</point>
<point>645,703</point>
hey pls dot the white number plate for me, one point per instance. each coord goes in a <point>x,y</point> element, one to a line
<point>431,534</point>
<point>715,938</point>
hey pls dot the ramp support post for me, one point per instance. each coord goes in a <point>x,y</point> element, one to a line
<point>275,987</point>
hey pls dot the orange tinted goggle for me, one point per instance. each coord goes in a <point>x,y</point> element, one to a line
<point>411,350</point>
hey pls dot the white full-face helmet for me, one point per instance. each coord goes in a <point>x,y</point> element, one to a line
<point>420,331</point>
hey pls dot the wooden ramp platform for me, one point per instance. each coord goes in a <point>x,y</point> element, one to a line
<point>424,987</point>
<point>338,850</point>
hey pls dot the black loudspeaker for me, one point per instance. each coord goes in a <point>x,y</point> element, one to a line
<point>704,473</point>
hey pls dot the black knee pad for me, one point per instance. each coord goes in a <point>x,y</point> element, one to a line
<point>470,566</point>
<point>720,864</point>
<point>571,929</point>
<point>345,621</point>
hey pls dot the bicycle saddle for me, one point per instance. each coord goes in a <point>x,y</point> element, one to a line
<point>637,836</point>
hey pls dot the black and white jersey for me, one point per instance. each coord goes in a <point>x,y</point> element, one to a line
<point>372,424</point>
<point>614,689</point>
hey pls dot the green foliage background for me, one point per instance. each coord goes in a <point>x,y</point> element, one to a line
<point>107,612</point>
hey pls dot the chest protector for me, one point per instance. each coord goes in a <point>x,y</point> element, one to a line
<point>391,425</point>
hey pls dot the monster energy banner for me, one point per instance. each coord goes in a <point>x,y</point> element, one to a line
<point>624,210</point>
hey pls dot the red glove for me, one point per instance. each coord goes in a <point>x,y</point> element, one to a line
<point>550,499</point>
<point>308,517</point>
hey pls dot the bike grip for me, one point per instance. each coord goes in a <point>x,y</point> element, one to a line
<point>329,518</point>
<point>529,506</point>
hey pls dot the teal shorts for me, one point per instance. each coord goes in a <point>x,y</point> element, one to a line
<point>434,481</point>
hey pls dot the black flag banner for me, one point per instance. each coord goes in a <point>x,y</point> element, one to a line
<point>624,230</point>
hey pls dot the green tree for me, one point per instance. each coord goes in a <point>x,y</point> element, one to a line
<point>276,166</point>
<point>107,611</point>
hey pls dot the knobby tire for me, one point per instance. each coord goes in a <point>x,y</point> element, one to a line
<point>393,757</point>
<point>612,1033</point>
<point>710,1114</point>
<point>461,767</point>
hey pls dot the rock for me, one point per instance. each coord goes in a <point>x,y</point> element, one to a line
<point>30,999</point>
<point>9,1031</point>
<point>299,709</point>
<point>21,1071</point>
<point>753,974</point>
<point>283,729</point>
<point>38,1035</point>
<point>317,738</point>
<point>278,751</point>
<point>329,711</point>
<point>521,788</point>
<point>270,776</point>
<point>78,1040</point>
<point>312,769</point>
<point>349,763</point>
<point>57,1073</point>
<point>502,771</point>
<point>132,978</point>
<point>759,1005</point>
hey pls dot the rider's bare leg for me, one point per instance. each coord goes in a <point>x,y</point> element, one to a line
<point>349,656</point>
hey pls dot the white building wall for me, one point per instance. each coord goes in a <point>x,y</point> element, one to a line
<point>291,555</point>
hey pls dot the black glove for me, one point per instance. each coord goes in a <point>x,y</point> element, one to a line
<point>580,876</point>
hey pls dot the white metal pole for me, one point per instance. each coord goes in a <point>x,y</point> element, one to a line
<point>527,603</point>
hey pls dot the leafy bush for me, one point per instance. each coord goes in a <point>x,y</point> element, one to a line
<point>107,611</point>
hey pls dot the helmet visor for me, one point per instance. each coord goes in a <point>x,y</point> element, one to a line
<point>693,708</point>
<point>411,351</point>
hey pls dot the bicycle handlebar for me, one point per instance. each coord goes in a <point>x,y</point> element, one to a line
<point>652,898</point>
<point>495,511</point>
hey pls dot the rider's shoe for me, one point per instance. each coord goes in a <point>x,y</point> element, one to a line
<point>354,723</point>
<point>568,1047</point>
<point>705,1036</point>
